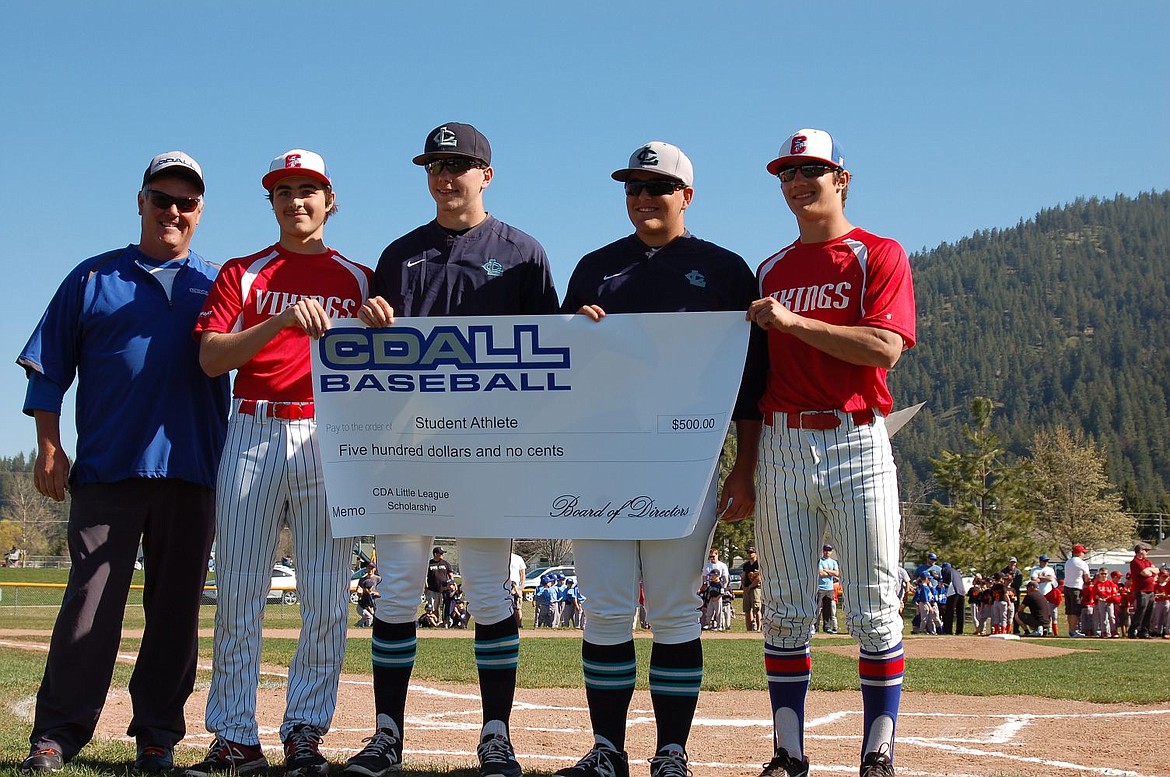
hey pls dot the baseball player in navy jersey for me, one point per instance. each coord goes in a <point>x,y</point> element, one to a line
<point>660,268</point>
<point>837,307</point>
<point>150,429</point>
<point>258,320</point>
<point>463,263</point>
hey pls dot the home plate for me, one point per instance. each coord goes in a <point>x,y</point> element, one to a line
<point>1003,636</point>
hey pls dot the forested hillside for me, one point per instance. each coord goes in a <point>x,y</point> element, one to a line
<point>1063,319</point>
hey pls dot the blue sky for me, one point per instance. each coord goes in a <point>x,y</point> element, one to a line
<point>953,117</point>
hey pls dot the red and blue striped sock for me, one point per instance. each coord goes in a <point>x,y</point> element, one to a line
<point>789,671</point>
<point>881,694</point>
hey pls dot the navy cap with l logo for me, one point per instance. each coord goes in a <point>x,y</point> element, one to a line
<point>454,139</point>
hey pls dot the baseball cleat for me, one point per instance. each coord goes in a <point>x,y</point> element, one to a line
<point>229,757</point>
<point>302,752</point>
<point>670,761</point>
<point>877,764</point>
<point>382,754</point>
<point>496,756</point>
<point>45,759</point>
<point>601,761</point>
<point>784,765</point>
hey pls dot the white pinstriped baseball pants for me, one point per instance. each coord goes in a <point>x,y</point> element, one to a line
<point>271,475</point>
<point>671,570</point>
<point>484,569</point>
<point>843,478</point>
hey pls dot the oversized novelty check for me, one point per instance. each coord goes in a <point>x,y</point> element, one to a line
<point>526,426</point>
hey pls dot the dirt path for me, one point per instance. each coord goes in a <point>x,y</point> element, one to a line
<point>938,734</point>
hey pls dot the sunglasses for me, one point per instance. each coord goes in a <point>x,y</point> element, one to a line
<point>808,171</point>
<point>453,166</point>
<point>164,201</point>
<point>653,188</point>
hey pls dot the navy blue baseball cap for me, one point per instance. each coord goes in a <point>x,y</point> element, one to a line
<point>454,139</point>
<point>1042,557</point>
<point>932,556</point>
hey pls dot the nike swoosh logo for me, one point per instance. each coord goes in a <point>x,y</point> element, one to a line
<point>416,261</point>
<point>616,274</point>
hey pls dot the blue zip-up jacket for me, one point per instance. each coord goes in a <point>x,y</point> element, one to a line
<point>145,408</point>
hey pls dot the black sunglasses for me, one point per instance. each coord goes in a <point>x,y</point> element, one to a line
<point>453,166</point>
<point>808,171</point>
<point>164,201</point>
<point>653,188</point>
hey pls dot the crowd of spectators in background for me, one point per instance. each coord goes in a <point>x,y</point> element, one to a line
<point>558,603</point>
<point>1099,602</point>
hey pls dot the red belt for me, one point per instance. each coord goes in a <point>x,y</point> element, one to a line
<point>289,411</point>
<point>821,419</point>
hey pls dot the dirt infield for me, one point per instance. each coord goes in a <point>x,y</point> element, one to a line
<point>958,736</point>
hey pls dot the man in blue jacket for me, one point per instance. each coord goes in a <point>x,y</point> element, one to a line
<point>150,430</point>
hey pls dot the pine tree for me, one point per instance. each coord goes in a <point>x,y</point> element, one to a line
<point>984,518</point>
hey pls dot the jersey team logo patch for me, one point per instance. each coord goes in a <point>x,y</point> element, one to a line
<point>292,160</point>
<point>445,137</point>
<point>648,157</point>
<point>493,268</point>
<point>799,144</point>
<point>697,278</point>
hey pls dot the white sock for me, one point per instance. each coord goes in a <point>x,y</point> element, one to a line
<point>787,727</point>
<point>881,732</point>
<point>385,721</point>
<point>494,728</point>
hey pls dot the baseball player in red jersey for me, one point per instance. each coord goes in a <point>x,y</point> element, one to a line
<point>837,307</point>
<point>1107,596</point>
<point>258,319</point>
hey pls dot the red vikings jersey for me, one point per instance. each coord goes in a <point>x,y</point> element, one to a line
<point>253,289</point>
<point>859,279</point>
<point>1106,591</point>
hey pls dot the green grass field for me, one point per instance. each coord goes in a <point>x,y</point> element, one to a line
<point>1103,672</point>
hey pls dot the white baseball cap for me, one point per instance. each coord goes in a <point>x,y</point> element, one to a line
<point>296,161</point>
<point>174,162</point>
<point>661,158</point>
<point>808,145</point>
